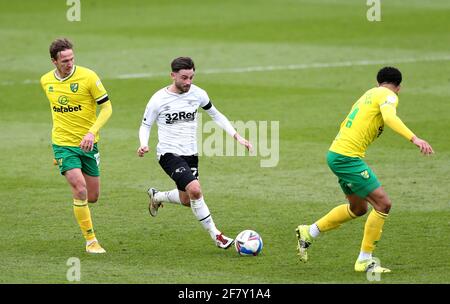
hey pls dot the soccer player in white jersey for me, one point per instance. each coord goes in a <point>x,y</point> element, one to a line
<point>174,108</point>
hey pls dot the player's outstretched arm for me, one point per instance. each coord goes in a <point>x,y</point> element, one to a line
<point>395,123</point>
<point>425,147</point>
<point>225,124</point>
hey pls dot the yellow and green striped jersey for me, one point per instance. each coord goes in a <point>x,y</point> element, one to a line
<point>364,123</point>
<point>73,103</point>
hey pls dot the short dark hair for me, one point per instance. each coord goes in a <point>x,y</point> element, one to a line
<point>59,45</point>
<point>389,75</point>
<point>182,63</point>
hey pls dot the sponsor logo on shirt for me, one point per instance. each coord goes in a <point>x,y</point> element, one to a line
<point>62,109</point>
<point>182,116</point>
<point>63,100</point>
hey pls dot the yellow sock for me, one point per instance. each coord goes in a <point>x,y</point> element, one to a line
<point>335,218</point>
<point>373,230</point>
<point>83,216</point>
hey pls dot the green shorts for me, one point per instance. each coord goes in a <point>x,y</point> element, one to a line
<point>73,157</point>
<point>354,174</point>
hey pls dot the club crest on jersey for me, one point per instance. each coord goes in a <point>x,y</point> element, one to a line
<point>74,87</point>
<point>172,118</point>
<point>365,174</point>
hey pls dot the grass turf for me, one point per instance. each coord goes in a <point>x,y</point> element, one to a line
<point>40,232</point>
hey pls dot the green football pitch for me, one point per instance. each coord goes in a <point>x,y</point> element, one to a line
<point>300,63</point>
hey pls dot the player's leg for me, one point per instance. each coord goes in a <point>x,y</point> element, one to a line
<point>90,162</point>
<point>332,220</point>
<point>358,206</point>
<point>69,160</point>
<point>203,215</point>
<point>174,196</point>
<point>81,210</point>
<point>341,214</point>
<point>91,181</point>
<point>184,198</point>
<point>93,187</point>
<point>183,170</point>
<point>342,167</point>
<point>381,203</point>
<point>173,166</point>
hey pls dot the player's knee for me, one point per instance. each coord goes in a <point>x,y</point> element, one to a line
<point>93,198</point>
<point>194,191</point>
<point>386,206</point>
<point>80,191</point>
<point>360,210</point>
<point>185,200</point>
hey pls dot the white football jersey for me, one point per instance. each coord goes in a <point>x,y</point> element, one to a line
<point>176,118</point>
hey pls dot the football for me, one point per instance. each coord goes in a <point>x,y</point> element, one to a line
<point>248,243</point>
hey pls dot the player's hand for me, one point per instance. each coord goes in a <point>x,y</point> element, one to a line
<point>142,150</point>
<point>424,147</point>
<point>243,142</point>
<point>87,144</point>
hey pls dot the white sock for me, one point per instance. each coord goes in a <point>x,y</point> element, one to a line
<point>314,230</point>
<point>364,256</point>
<point>201,212</point>
<point>172,196</point>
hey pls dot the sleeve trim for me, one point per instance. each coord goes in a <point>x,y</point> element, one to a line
<point>102,99</point>
<point>208,106</point>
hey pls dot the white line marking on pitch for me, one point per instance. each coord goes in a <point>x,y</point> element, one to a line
<point>303,66</point>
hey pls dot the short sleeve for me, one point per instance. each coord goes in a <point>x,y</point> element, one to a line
<point>97,90</point>
<point>388,100</point>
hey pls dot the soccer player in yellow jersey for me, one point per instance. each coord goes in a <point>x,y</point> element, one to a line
<point>364,123</point>
<point>74,93</point>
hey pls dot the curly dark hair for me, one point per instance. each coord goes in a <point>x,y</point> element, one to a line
<point>389,75</point>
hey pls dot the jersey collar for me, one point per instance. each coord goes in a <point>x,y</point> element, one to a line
<point>67,77</point>
<point>177,94</point>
